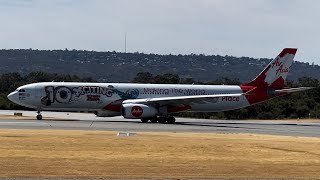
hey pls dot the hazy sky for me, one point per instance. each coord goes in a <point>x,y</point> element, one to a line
<point>254,28</point>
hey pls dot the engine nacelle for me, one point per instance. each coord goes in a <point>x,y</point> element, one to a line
<point>106,113</point>
<point>138,111</point>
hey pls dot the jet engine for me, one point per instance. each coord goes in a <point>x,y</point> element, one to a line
<point>138,111</point>
<point>106,113</point>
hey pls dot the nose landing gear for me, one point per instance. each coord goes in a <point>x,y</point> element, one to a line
<point>39,116</point>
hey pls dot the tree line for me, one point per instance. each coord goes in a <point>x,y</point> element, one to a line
<point>105,66</point>
<point>297,105</point>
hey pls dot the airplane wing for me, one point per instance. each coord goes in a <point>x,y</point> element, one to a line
<point>200,99</point>
<point>197,99</point>
<point>291,90</point>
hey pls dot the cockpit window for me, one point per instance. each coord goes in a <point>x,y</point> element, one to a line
<point>22,90</point>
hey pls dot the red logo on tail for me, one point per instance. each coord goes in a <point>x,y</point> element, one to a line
<point>277,63</point>
<point>281,69</point>
<point>136,111</point>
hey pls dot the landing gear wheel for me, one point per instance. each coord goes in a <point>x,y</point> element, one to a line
<point>144,120</point>
<point>39,117</point>
<point>154,120</point>
<point>162,120</point>
<point>171,120</point>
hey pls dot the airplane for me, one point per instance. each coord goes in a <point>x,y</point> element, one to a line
<point>156,102</point>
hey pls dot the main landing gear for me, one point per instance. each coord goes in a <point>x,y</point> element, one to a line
<point>161,119</point>
<point>39,116</point>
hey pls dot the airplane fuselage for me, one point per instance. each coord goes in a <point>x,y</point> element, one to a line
<point>69,96</point>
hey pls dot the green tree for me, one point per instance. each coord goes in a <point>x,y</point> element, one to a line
<point>143,77</point>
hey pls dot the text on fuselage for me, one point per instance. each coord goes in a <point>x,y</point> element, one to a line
<point>230,98</point>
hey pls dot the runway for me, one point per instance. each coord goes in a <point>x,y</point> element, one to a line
<point>84,121</point>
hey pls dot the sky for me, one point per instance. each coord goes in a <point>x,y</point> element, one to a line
<point>252,28</point>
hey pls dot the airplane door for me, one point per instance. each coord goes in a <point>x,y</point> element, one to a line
<point>38,95</point>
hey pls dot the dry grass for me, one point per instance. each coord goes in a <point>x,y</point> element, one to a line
<point>94,154</point>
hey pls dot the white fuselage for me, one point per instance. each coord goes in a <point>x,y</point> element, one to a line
<point>69,96</point>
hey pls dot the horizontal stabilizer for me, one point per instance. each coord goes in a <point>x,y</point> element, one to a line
<point>291,90</point>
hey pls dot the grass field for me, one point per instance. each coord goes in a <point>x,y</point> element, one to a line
<point>94,154</point>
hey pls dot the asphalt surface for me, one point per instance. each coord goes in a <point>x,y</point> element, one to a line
<point>84,121</point>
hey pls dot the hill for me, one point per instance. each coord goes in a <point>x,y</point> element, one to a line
<point>123,67</point>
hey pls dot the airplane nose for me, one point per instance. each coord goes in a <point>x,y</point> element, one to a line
<point>13,97</point>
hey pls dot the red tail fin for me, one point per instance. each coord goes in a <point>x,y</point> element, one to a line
<point>276,72</point>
